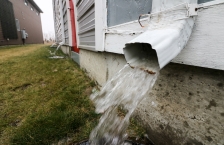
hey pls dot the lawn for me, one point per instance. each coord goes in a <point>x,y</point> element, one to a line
<point>42,100</point>
<point>45,101</point>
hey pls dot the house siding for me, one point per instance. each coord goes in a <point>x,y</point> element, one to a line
<point>86,24</point>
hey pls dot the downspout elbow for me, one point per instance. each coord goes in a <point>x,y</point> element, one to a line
<point>160,43</point>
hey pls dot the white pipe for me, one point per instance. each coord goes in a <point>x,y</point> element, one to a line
<point>53,44</point>
<point>167,33</point>
<point>54,53</point>
<point>59,46</point>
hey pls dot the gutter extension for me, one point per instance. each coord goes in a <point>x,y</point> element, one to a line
<point>167,33</point>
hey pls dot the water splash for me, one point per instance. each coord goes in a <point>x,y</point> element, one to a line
<point>125,90</point>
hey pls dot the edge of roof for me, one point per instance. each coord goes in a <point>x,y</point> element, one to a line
<point>35,5</point>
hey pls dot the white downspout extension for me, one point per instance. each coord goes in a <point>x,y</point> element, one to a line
<point>54,44</point>
<point>59,46</point>
<point>169,29</point>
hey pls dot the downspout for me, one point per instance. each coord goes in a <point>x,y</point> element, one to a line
<point>169,28</point>
<point>73,27</point>
<point>59,46</point>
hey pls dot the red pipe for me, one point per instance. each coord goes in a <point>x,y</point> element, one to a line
<point>72,17</point>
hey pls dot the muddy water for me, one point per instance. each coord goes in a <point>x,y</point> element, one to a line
<point>122,93</point>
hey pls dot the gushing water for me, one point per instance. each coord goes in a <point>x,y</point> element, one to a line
<point>125,90</point>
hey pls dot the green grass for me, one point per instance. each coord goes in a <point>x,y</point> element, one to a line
<point>42,100</point>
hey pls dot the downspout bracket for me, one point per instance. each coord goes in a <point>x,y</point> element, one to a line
<point>192,10</point>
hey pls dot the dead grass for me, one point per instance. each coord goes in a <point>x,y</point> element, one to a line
<point>12,51</point>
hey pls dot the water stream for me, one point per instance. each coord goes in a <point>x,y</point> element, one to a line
<point>123,92</point>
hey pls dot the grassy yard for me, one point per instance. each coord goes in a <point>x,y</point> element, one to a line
<point>42,100</point>
<point>45,101</point>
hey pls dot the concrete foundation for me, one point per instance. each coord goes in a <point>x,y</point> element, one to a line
<point>75,57</point>
<point>66,49</point>
<point>185,107</point>
<point>101,66</point>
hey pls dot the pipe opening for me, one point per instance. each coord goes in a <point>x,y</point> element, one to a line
<point>141,55</point>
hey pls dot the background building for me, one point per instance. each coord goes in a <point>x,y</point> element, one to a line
<point>16,15</point>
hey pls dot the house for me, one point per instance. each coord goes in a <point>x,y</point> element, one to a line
<point>65,27</point>
<point>17,16</point>
<point>186,103</point>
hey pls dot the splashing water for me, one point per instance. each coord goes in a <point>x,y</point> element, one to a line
<point>125,90</point>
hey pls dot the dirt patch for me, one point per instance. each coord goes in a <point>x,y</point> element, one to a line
<point>22,87</point>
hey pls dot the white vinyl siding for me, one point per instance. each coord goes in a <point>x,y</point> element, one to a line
<point>86,24</point>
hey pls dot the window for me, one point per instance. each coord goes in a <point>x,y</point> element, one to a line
<point>203,1</point>
<point>37,13</point>
<point>26,2</point>
<point>17,25</point>
<point>122,11</point>
<point>31,9</point>
<point>8,21</point>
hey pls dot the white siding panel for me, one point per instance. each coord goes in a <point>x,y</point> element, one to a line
<point>86,24</point>
<point>57,21</point>
<point>65,22</point>
<point>206,45</point>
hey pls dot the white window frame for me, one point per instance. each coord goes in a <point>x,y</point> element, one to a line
<point>17,24</point>
<point>100,24</point>
<point>26,2</point>
<point>210,3</point>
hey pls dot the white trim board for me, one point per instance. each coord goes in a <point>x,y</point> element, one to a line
<point>100,24</point>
